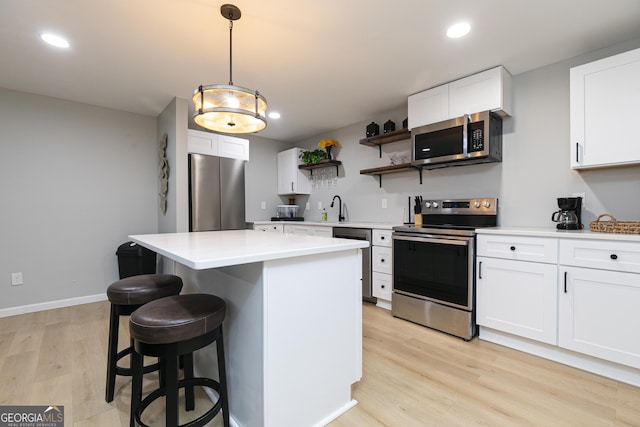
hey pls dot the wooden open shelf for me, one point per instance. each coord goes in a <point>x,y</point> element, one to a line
<point>384,170</point>
<point>321,165</point>
<point>386,138</point>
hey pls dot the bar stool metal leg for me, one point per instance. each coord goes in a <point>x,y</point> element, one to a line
<point>222,375</point>
<point>112,356</point>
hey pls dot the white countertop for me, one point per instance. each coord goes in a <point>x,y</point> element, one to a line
<point>212,249</point>
<point>561,234</point>
<point>350,224</point>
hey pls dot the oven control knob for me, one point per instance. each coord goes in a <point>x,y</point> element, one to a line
<point>427,204</point>
<point>435,204</point>
<point>476,204</point>
<point>487,204</point>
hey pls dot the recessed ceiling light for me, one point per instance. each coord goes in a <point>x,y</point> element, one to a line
<point>274,115</point>
<point>458,30</point>
<point>54,40</point>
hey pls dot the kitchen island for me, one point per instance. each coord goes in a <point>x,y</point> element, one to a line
<point>293,331</point>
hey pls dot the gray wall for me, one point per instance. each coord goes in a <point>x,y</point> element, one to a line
<point>534,171</point>
<point>75,182</point>
<point>77,179</point>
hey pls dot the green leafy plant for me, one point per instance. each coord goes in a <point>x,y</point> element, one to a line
<point>311,157</point>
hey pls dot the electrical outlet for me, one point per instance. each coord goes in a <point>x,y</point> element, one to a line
<point>384,203</point>
<point>16,279</point>
<point>584,202</point>
<point>319,205</point>
<point>263,205</point>
<point>308,206</point>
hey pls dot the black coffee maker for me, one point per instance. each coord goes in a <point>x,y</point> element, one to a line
<point>569,217</point>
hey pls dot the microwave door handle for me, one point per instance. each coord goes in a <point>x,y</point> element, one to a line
<point>465,132</point>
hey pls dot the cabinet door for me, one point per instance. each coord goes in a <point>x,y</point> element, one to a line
<point>599,315</point>
<point>202,142</point>
<point>488,90</point>
<point>605,104</point>
<point>291,180</point>
<point>429,106</point>
<point>233,147</point>
<point>518,297</point>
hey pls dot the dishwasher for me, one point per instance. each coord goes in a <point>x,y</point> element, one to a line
<point>360,234</point>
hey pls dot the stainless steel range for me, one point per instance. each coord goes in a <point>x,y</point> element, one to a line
<point>433,264</point>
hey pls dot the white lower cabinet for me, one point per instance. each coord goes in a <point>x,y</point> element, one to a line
<point>516,286</point>
<point>599,299</point>
<point>600,314</point>
<point>572,299</point>
<point>382,267</point>
<point>518,297</point>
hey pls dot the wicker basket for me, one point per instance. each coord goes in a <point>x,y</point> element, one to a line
<point>614,226</point>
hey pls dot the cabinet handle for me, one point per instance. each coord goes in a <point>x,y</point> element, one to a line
<point>480,270</point>
<point>291,185</point>
<point>577,155</point>
<point>565,282</point>
<point>513,248</point>
<point>382,286</point>
<point>613,256</point>
<point>381,237</point>
<point>381,259</point>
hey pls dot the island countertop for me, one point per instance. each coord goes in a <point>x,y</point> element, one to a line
<point>213,249</point>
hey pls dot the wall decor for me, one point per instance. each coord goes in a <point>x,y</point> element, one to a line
<point>163,167</point>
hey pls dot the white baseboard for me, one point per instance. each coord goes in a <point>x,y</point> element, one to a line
<point>49,305</point>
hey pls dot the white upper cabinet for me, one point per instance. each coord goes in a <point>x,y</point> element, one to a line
<point>291,180</point>
<point>429,106</point>
<point>605,104</point>
<point>215,144</point>
<point>488,90</point>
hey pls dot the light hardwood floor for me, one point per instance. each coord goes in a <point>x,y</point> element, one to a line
<point>412,376</point>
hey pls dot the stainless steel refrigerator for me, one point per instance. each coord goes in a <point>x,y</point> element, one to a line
<point>216,193</point>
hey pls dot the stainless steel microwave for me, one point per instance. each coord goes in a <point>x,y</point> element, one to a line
<point>470,139</point>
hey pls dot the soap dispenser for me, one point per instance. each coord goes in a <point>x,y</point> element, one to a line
<point>324,215</point>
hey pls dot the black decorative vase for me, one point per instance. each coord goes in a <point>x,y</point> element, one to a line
<point>389,126</point>
<point>329,152</point>
<point>373,129</point>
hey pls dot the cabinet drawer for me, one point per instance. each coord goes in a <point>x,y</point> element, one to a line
<point>382,259</point>
<point>382,285</point>
<point>607,255</point>
<point>382,238</point>
<point>537,249</point>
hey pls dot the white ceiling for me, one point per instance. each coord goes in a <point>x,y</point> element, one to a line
<point>322,64</point>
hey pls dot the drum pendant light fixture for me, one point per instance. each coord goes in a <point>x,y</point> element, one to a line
<point>229,108</point>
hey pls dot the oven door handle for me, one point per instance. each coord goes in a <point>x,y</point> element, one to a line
<point>461,242</point>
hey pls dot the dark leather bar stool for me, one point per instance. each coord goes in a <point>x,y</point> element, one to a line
<point>169,328</point>
<point>127,295</point>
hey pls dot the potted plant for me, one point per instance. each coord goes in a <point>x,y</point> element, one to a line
<point>311,157</point>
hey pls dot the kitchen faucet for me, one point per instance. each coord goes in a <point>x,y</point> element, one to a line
<point>340,216</point>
